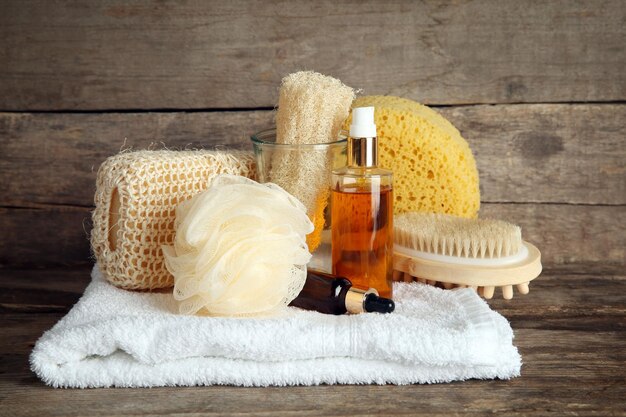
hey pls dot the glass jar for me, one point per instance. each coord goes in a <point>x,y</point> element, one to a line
<point>304,171</point>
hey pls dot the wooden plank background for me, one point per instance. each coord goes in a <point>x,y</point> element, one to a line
<point>538,90</point>
<point>213,54</point>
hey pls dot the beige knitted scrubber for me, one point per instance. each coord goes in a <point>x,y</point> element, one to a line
<point>311,109</point>
<point>136,198</point>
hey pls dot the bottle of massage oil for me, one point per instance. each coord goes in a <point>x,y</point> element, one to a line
<point>362,211</point>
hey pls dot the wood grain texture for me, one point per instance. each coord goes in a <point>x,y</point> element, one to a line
<point>53,290</point>
<point>568,234</point>
<point>54,158</point>
<point>565,234</point>
<point>196,55</point>
<point>569,330</point>
<point>45,236</point>
<point>525,153</point>
<point>547,153</point>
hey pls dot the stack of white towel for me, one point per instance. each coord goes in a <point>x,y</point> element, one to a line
<point>113,337</point>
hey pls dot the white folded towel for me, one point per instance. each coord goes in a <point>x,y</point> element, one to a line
<point>113,337</point>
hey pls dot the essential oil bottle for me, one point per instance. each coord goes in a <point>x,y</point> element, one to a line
<point>362,211</point>
<point>331,294</point>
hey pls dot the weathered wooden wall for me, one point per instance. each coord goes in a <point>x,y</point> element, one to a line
<point>537,88</point>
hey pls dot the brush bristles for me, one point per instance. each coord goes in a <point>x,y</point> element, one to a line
<point>444,234</point>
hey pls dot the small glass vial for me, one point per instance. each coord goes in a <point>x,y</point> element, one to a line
<point>362,211</point>
<point>331,294</point>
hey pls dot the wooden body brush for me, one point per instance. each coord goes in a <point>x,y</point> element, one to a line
<point>458,252</point>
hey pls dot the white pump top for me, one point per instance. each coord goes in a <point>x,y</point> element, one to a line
<point>363,123</point>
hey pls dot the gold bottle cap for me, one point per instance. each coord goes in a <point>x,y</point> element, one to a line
<point>355,298</point>
<point>363,152</point>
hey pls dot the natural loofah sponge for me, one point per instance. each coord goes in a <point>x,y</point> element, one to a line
<point>136,198</point>
<point>239,249</point>
<point>311,109</point>
<point>433,167</point>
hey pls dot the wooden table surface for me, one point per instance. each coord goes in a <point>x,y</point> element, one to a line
<point>570,330</point>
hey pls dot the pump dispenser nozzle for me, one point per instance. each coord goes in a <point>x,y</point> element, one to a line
<point>363,125</point>
<point>362,142</point>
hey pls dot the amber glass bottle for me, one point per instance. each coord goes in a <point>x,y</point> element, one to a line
<point>362,211</point>
<point>331,294</point>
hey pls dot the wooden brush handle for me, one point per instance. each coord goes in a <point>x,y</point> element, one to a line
<point>519,273</point>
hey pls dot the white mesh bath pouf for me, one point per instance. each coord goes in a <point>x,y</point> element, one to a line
<point>240,249</point>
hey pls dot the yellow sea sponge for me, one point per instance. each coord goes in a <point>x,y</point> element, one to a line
<point>433,166</point>
<point>314,239</point>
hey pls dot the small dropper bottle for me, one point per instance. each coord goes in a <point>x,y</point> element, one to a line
<point>330,294</point>
<point>362,211</point>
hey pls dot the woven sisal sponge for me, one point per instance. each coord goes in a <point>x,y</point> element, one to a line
<point>136,198</point>
<point>311,109</point>
<point>433,167</point>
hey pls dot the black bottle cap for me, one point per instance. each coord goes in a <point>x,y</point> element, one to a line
<point>374,303</point>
